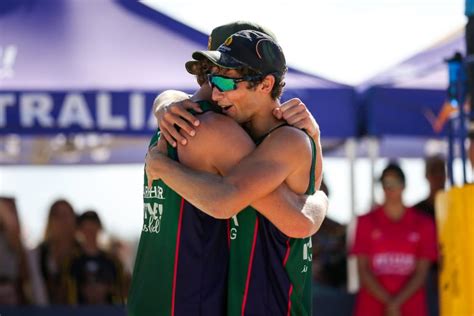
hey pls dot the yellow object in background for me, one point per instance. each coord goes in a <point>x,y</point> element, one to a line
<point>455,226</point>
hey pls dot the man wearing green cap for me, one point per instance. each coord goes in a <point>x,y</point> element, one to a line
<point>181,264</point>
<point>269,271</point>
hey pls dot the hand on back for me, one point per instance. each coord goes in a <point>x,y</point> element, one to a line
<point>177,124</point>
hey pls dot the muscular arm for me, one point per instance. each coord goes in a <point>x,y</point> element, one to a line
<point>295,112</point>
<point>318,171</point>
<point>417,280</point>
<point>221,197</point>
<point>370,282</point>
<point>171,110</point>
<point>297,216</point>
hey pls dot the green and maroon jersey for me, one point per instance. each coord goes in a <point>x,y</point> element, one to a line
<point>182,258</point>
<point>269,273</point>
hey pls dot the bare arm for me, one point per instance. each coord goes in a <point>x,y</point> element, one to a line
<point>370,282</point>
<point>171,110</point>
<point>295,112</point>
<point>295,215</point>
<point>258,174</point>
<point>417,280</point>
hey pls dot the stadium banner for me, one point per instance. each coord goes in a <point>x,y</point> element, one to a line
<point>91,111</point>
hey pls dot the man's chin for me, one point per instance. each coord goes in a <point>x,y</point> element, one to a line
<point>228,110</point>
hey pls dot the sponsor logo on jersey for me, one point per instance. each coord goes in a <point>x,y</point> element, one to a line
<point>390,263</point>
<point>152,214</point>
<point>307,255</point>
<point>155,192</point>
<point>233,230</point>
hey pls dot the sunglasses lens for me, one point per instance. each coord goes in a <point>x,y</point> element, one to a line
<point>222,84</point>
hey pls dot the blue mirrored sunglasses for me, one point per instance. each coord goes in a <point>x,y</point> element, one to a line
<point>224,84</point>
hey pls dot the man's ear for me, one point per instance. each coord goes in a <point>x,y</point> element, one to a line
<point>267,84</point>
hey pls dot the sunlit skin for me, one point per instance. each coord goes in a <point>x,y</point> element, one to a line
<point>245,105</point>
<point>260,172</point>
<point>393,188</point>
<point>394,191</point>
<point>256,175</point>
<point>246,108</point>
<point>235,103</point>
<point>273,163</point>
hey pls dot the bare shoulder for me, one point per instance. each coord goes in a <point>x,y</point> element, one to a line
<point>218,138</point>
<point>288,137</point>
<point>211,119</point>
<point>218,127</point>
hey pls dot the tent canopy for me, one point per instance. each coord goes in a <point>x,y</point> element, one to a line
<point>402,100</point>
<point>81,66</point>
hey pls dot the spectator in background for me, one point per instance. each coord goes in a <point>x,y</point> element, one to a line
<point>395,246</point>
<point>13,266</point>
<point>94,277</point>
<point>124,254</point>
<point>435,173</point>
<point>56,251</point>
<point>329,253</point>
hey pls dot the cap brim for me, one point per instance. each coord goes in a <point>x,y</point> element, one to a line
<point>219,59</point>
<point>191,67</point>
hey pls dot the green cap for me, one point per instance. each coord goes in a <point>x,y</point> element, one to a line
<point>221,33</point>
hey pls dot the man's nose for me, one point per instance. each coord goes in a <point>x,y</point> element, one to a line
<point>216,94</point>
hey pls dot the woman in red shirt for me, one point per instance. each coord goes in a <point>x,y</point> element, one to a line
<point>394,246</point>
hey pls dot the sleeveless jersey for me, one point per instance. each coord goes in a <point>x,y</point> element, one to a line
<point>269,273</point>
<point>182,258</point>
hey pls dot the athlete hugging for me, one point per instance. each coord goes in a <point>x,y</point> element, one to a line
<point>231,195</point>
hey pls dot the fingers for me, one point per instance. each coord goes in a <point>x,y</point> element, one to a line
<point>184,125</point>
<point>182,118</point>
<point>151,154</point>
<point>162,146</point>
<point>290,103</point>
<point>178,136</point>
<point>181,109</point>
<point>297,114</point>
<point>170,139</point>
<point>288,112</point>
<point>190,105</point>
<point>297,118</point>
<point>177,115</point>
<point>277,113</point>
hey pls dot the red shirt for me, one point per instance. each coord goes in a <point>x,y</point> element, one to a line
<point>393,248</point>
